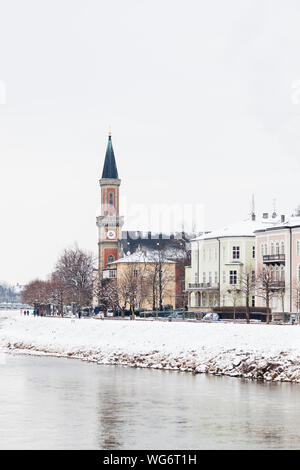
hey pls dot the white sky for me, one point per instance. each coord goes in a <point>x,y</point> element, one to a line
<point>203,98</point>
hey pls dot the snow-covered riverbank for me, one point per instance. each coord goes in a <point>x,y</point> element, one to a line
<point>269,352</point>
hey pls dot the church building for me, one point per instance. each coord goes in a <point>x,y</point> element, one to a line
<point>116,247</point>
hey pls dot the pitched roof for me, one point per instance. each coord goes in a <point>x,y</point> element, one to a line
<point>110,168</point>
<point>140,256</point>
<point>292,222</point>
<point>244,228</point>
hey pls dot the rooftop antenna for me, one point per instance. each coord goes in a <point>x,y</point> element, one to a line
<point>274,209</point>
<point>253,208</point>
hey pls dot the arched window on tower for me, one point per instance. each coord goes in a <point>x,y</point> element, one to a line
<point>110,258</point>
<point>110,199</point>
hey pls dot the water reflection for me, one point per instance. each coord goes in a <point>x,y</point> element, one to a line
<point>50,403</point>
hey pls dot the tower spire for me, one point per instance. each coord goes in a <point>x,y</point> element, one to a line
<point>110,168</point>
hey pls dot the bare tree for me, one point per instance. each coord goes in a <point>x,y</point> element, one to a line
<point>296,294</point>
<point>107,293</point>
<point>181,255</point>
<point>74,269</point>
<point>36,293</point>
<point>281,295</point>
<point>132,286</point>
<point>160,276</point>
<point>266,287</point>
<point>57,293</point>
<point>234,293</point>
<point>247,287</point>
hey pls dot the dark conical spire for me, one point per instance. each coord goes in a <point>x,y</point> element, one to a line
<point>110,168</point>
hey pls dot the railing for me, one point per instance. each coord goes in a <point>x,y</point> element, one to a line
<point>277,258</point>
<point>203,285</point>
<point>277,285</point>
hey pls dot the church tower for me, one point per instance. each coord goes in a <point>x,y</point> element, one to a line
<point>109,223</point>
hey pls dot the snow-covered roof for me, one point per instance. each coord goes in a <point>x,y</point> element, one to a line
<point>140,256</point>
<point>244,228</point>
<point>292,221</point>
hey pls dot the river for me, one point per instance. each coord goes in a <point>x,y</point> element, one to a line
<point>53,403</point>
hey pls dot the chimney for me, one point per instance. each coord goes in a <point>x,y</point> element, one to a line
<point>282,218</point>
<point>265,215</point>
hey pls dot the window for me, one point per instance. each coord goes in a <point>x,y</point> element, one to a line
<point>110,258</point>
<point>110,199</point>
<point>298,273</point>
<point>272,248</point>
<point>236,252</point>
<point>209,255</point>
<point>209,278</point>
<point>253,301</point>
<point>277,248</point>
<point>216,254</point>
<point>298,247</point>
<point>196,278</point>
<point>216,277</point>
<point>282,276</point>
<point>253,277</point>
<point>224,252</point>
<point>204,278</point>
<point>266,249</point>
<point>224,277</point>
<point>253,252</point>
<point>262,249</point>
<point>232,277</point>
<point>112,273</point>
<point>282,248</point>
<point>135,273</point>
<point>203,254</point>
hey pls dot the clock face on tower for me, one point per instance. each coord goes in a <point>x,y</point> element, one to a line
<point>111,234</point>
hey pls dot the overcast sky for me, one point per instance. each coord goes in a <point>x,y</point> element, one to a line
<point>203,98</point>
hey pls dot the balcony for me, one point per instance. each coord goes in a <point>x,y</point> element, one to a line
<point>277,285</point>
<point>204,285</point>
<point>274,259</point>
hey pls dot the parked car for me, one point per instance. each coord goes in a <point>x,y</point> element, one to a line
<point>211,317</point>
<point>110,312</point>
<point>176,314</point>
<point>99,315</point>
<point>167,307</point>
<point>98,309</point>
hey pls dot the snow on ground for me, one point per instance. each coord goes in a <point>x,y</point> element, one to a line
<point>270,352</point>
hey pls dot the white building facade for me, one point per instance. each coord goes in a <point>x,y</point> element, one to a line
<point>218,262</point>
<point>278,248</point>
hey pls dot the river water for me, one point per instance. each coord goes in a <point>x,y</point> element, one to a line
<point>53,403</point>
